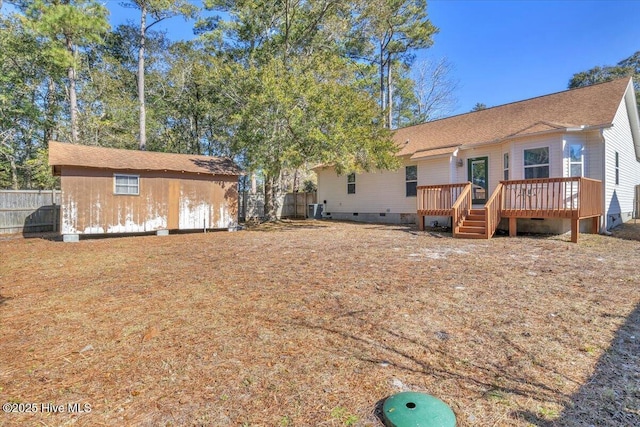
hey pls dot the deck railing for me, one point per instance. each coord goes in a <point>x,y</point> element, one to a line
<point>574,197</point>
<point>589,198</point>
<point>461,207</point>
<point>437,200</point>
<point>492,210</point>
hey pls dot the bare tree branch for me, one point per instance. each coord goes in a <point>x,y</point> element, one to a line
<point>435,89</point>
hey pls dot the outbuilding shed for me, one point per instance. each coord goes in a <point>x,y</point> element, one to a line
<point>107,190</point>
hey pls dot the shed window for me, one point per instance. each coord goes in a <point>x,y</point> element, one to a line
<point>126,184</point>
<point>351,183</point>
<point>411,177</point>
<point>617,169</point>
<point>576,160</point>
<point>536,163</point>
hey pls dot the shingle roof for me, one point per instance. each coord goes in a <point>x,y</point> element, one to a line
<point>64,154</point>
<point>589,106</point>
<point>433,152</point>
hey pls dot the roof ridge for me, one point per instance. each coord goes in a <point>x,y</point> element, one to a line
<point>516,102</point>
<point>137,151</point>
<point>90,156</point>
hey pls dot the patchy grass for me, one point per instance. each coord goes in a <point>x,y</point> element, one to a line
<point>313,323</point>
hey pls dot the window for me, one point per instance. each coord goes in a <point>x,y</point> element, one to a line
<point>351,183</point>
<point>536,163</point>
<point>411,178</point>
<point>126,184</point>
<point>576,160</point>
<point>506,166</point>
<point>617,169</point>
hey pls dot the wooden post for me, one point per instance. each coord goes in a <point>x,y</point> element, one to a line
<point>513,226</point>
<point>54,214</point>
<point>595,224</point>
<point>421,222</point>
<point>575,229</point>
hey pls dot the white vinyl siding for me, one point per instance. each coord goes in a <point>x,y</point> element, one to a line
<point>593,155</point>
<point>435,171</point>
<point>376,192</point>
<point>618,139</point>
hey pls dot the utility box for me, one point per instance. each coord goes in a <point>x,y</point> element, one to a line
<point>315,211</point>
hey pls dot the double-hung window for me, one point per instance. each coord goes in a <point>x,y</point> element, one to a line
<point>576,160</point>
<point>505,164</point>
<point>536,163</point>
<point>351,183</point>
<point>617,168</point>
<point>126,184</point>
<point>411,180</point>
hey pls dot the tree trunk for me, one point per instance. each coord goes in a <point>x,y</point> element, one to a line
<point>268,197</point>
<point>73,98</point>
<point>382,103</point>
<point>270,193</point>
<point>49,112</point>
<point>296,178</point>
<point>14,173</point>
<point>143,113</point>
<point>389,94</point>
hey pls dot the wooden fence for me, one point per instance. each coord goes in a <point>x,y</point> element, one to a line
<point>29,211</point>
<point>289,205</point>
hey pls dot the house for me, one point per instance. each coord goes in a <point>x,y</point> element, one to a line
<point>106,190</point>
<point>539,165</point>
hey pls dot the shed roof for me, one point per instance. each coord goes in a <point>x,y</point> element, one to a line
<point>65,154</point>
<point>591,106</point>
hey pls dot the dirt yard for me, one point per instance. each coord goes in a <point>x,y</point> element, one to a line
<point>314,323</point>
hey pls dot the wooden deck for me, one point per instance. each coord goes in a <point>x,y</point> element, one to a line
<point>437,200</point>
<point>569,198</point>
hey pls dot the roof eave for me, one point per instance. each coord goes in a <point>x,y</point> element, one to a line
<point>57,169</point>
<point>634,118</point>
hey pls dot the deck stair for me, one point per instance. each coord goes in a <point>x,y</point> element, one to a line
<point>473,226</point>
<point>572,198</point>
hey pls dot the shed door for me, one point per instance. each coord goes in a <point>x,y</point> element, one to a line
<point>173,218</point>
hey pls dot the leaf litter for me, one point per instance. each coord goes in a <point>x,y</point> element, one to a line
<point>312,323</point>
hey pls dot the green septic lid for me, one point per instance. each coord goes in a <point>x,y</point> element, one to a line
<point>411,409</point>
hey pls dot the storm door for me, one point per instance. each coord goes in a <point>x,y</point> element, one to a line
<point>478,173</point>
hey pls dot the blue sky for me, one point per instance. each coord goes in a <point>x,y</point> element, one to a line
<point>505,51</point>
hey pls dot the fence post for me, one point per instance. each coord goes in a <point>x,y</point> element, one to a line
<point>55,211</point>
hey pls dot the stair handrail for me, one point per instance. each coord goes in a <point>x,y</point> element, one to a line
<point>461,208</point>
<point>492,210</point>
